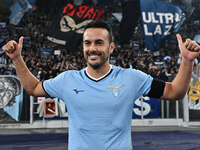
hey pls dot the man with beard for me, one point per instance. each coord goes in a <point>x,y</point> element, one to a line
<point>100,97</point>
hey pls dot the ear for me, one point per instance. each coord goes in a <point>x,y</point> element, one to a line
<point>112,47</point>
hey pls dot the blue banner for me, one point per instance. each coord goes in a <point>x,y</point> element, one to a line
<point>27,41</point>
<point>159,20</point>
<point>151,108</point>
<point>136,45</point>
<point>45,52</point>
<point>16,14</point>
<point>4,33</point>
<point>19,8</point>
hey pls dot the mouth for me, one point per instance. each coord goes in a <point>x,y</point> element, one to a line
<point>94,55</point>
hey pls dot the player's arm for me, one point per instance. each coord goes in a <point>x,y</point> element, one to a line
<point>179,86</point>
<point>30,83</point>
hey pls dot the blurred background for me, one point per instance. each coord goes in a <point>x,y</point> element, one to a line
<point>145,36</point>
<point>144,32</point>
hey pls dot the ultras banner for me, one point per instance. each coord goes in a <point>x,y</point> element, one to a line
<point>159,20</point>
<point>68,26</point>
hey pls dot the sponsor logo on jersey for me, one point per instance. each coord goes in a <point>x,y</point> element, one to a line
<point>77,91</point>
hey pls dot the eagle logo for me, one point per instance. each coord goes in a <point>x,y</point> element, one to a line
<point>68,24</point>
<point>115,90</point>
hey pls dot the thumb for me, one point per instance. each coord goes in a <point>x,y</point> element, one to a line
<point>21,41</point>
<point>179,38</point>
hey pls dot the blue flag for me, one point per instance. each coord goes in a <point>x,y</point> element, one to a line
<point>159,20</point>
<point>19,8</point>
<point>45,52</point>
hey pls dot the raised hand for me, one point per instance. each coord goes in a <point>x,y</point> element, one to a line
<point>13,49</point>
<point>189,49</point>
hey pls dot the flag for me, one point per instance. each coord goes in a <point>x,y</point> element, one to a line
<point>46,52</point>
<point>18,10</point>
<point>130,16</point>
<point>67,28</point>
<point>27,41</point>
<point>4,32</point>
<point>159,20</point>
<point>117,17</point>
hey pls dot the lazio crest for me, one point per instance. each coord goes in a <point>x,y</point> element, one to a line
<point>115,90</point>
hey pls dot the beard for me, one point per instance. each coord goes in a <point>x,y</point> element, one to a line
<point>97,65</point>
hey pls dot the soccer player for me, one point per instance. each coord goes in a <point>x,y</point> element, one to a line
<point>100,97</point>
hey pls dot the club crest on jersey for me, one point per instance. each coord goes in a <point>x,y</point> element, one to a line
<point>115,90</point>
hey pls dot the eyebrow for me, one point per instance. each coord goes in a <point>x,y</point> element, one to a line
<point>98,40</point>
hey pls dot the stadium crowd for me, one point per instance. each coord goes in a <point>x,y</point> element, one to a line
<point>162,64</point>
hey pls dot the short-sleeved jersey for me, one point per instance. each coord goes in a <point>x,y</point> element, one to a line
<point>99,113</point>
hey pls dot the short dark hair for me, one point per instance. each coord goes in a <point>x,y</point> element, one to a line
<point>103,25</point>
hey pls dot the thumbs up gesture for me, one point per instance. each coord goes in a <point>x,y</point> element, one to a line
<point>13,49</point>
<point>189,49</point>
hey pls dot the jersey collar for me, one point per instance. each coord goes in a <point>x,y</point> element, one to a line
<point>101,78</point>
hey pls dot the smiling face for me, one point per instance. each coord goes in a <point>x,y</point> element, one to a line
<point>96,47</point>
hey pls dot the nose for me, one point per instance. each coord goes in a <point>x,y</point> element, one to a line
<point>93,47</point>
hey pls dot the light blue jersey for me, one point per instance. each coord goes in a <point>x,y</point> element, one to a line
<point>99,113</point>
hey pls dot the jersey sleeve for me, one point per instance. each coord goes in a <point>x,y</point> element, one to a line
<point>143,81</point>
<point>54,87</point>
<point>157,88</point>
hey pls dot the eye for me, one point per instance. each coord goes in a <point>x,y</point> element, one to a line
<point>99,42</point>
<point>87,43</point>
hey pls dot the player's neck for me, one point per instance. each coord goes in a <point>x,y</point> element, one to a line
<point>98,73</point>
